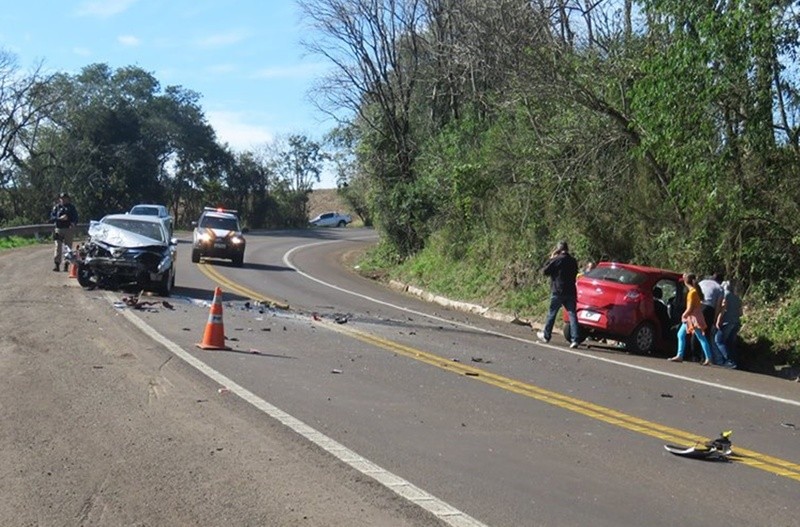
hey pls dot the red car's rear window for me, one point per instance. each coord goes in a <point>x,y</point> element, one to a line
<point>616,274</point>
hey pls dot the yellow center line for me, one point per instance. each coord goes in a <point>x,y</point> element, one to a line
<point>747,457</point>
<point>234,287</point>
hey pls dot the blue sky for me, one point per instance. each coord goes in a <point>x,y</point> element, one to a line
<point>243,56</point>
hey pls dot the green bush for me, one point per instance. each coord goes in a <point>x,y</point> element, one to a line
<point>13,242</point>
<point>771,329</point>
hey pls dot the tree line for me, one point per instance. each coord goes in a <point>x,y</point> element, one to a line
<point>661,132</point>
<point>643,130</point>
<point>114,138</point>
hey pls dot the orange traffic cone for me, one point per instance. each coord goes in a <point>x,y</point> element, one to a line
<point>73,270</point>
<point>214,335</point>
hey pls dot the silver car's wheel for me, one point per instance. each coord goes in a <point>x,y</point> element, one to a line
<point>165,286</point>
<point>85,276</point>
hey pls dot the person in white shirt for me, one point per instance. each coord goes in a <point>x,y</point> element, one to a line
<point>712,305</point>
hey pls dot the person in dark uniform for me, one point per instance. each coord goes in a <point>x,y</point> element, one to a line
<point>64,217</point>
<point>562,268</point>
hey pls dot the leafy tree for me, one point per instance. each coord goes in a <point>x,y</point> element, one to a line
<point>249,182</point>
<point>187,147</point>
<point>300,163</point>
<point>112,138</point>
<point>352,184</point>
<point>297,163</point>
<point>705,107</point>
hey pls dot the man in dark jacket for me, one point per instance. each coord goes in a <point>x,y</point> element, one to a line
<point>64,217</point>
<point>562,269</point>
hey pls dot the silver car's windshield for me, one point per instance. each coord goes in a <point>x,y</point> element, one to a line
<point>142,228</point>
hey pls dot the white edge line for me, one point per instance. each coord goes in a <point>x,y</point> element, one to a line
<point>405,489</point>
<point>287,261</point>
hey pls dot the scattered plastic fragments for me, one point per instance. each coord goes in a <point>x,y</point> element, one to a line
<point>136,302</point>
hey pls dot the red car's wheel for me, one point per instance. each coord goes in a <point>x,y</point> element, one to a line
<point>643,338</point>
<point>567,331</point>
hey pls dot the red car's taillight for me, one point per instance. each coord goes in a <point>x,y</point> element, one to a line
<point>633,296</point>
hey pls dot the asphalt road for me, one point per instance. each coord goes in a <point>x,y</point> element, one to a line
<point>470,416</point>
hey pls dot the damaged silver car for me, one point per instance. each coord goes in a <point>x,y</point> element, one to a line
<point>126,251</point>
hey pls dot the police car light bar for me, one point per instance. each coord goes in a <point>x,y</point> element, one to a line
<point>220,209</point>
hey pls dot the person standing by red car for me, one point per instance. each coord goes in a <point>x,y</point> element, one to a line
<point>692,321</point>
<point>562,268</point>
<point>727,324</point>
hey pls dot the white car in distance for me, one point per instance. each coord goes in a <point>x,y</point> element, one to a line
<point>153,210</point>
<point>331,219</point>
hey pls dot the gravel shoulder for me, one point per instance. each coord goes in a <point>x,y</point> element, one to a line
<point>101,426</point>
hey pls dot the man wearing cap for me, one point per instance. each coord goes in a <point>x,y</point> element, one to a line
<point>64,216</point>
<point>562,268</point>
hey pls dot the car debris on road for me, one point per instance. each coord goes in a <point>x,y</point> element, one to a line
<point>718,449</point>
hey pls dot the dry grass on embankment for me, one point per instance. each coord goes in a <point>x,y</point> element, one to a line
<point>328,200</point>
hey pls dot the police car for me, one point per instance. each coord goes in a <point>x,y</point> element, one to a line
<point>217,234</point>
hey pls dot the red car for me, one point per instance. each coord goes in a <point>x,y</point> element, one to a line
<point>640,306</point>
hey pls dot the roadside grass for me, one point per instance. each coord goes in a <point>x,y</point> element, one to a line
<point>12,242</point>
<point>471,278</point>
<point>433,271</point>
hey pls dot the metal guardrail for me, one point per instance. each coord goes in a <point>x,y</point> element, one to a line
<point>41,230</point>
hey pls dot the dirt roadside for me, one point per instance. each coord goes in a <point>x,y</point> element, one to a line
<point>100,426</point>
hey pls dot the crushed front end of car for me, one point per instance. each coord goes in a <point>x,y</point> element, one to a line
<point>113,258</point>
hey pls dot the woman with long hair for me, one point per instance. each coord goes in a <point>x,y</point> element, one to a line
<point>692,321</point>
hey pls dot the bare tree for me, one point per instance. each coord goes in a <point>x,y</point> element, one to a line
<point>23,103</point>
<point>477,47</point>
<point>373,46</point>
